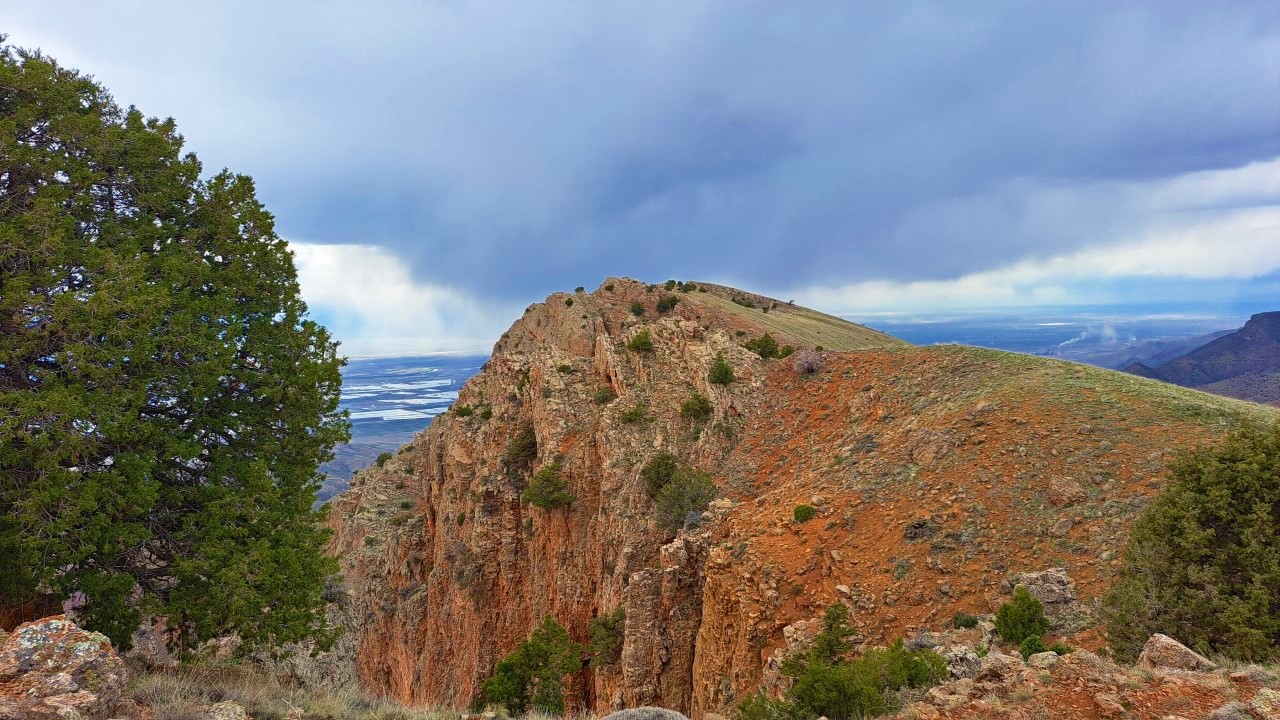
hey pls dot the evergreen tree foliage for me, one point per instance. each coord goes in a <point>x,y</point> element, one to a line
<point>549,490</point>
<point>721,372</point>
<point>827,683</point>
<point>533,675</point>
<point>1022,618</point>
<point>697,408</point>
<point>1203,561</point>
<point>658,472</point>
<point>606,634</point>
<point>164,398</point>
<point>688,491</point>
<point>641,342</point>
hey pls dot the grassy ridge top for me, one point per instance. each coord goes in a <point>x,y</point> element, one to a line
<point>803,325</point>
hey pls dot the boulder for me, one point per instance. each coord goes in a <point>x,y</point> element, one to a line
<point>645,713</point>
<point>1267,702</point>
<point>1164,653</point>
<point>1233,710</point>
<point>51,668</point>
<point>1055,590</point>
<point>962,661</point>
<point>1043,660</point>
<point>226,711</point>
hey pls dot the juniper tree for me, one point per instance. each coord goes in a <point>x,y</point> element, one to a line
<point>164,399</point>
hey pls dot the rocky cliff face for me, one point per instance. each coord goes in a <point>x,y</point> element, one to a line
<point>937,474</point>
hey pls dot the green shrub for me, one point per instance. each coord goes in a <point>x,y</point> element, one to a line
<point>1022,618</point>
<point>579,289</point>
<point>637,308</point>
<point>639,413</point>
<point>743,301</point>
<point>608,287</point>
<point>765,346</point>
<point>786,350</point>
<point>669,285</point>
<point>382,459</point>
<point>606,635</point>
<point>964,620</point>
<point>667,303</point>
<point>1031,645</point>
<point>604,395</point>
<point>564,368</point>
<point>463,410</point>
<point>548,490</point>
<point>828,683</point>
<point>1061,648</point>
<point>641,342</point>
<point>485,411</point>
<point>697,408</point>
<point>522,450</point>
<point>533,675</point>
<point>689,491</point>
<point>658,472</point>
<point>462,518</point>
<point>522,381</point>
<point>406,504</point>
<point>688,287</point>
<point>568,302</point>
<point>721,372</point>
<point>1203,560</point>
<point>804,513</point>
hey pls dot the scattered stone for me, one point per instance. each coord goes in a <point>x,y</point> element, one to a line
<point>1267,702</point>
<point>1043,660</point>
<point>999,668</point>
<point>645,713</point>
<point>1109,704</point>
<point>226,711</point>
<point>1163,652</point>
<point>1231,711</point>
<point>962,661</point>
<point>51,668</point>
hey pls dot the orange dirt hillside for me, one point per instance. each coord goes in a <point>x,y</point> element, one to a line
<point>936,474</point>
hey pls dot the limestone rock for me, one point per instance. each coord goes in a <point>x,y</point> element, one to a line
<point>645,713</point>
<point>962,661</point>
<point>1043,660</point>
<point>1231,711</point>
<point>226,711</point>
<point>1054,589</point>
<point>1163,652</point>
<point>51,668</point>
<point>1267,702</point>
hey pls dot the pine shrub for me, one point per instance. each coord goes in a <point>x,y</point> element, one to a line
<point>533,675</point>
<point>721,372</point>
<point>641,342</point>
<point>606,635</point>
<point>548,489</point>
<point>688,492</point>
<point>697,408</point>
<point>1022,618</point>
<point>804,513</point>
<point>1203,560</point>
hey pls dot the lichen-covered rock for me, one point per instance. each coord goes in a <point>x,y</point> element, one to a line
<point>1165,653</point>
<point>1055,590</point>
<point>1267,702</point>
<point>226,711</point>
<point>1043,660</point>
<point>51,668</point>
<point>962,661</point>
<point>645,713</point>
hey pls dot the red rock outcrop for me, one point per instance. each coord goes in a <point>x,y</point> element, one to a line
<point>938,475</point>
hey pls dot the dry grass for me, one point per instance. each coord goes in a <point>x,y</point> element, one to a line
<point>808,327</point>
<point>183,694</point>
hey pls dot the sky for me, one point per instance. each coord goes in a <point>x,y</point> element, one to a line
<point>439,165</point>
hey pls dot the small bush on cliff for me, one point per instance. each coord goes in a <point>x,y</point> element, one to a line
<point>1203,560</point>
<point>604,395</point>
<point>382,459</point>
<point>522,450</point>
<point>667,303</point>
<point>606,633</point>
<point>697,408</point>
<point>764,346</point>
<point>658,472</point>
<point>637,308</point>
<point>827,683</point>
<point>638,413</point>
<point>548,490</point>
<point>1022,618</point>
<point>721,372</point>
<point>688,493</point>
<point>640,342</point>
<point>804,513</point>
<point>963,620</point>
<point>533,675</point>
<point>1031,645</point>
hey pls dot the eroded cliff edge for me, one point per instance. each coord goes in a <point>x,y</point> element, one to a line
<point>937,473</point>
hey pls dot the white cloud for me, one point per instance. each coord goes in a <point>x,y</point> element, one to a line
<point>1216,225</point>
<point>369,301</point>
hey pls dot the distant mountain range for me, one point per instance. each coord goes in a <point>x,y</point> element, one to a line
<point>1243,364</point>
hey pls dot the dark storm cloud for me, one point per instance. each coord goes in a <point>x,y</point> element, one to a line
<point>511,148</point>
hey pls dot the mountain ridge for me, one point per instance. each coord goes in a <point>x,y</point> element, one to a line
<point>936,474</point>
